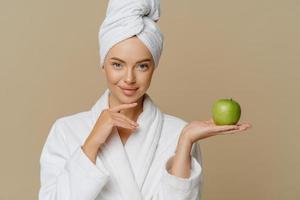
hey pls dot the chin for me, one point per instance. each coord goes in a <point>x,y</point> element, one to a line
<point>129,99</point>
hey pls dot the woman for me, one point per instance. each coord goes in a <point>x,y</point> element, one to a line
<point>125,147</point>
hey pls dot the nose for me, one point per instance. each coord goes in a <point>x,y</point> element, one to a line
<point>130,76</point>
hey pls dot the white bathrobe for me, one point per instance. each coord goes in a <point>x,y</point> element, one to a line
<point>138,170</point>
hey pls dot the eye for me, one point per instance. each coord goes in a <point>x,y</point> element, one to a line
<point>143,66</point>
<point>116,65</point>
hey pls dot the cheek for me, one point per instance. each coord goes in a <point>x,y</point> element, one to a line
<point>113,77</point>
<point>144,80</point>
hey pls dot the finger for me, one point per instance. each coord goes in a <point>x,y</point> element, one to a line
<point>245,125</point>
<point>119,115</point>
<point>224,127</point>
<point>120,123</point>
<point>229,132</point>
<point>210,121</point>
<point>248,125</point>
<point>123,106</point>
<point>233,131</point>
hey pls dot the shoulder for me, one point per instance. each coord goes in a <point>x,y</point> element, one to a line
<point>74,119</point>
<point>173,122</point>
<point>172,128</point>
<point>74,127</point>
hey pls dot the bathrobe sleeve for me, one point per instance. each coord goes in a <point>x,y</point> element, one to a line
<point>177,188</point>
<point>68,175</point>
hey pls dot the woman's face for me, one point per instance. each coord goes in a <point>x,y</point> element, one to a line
<point>128,65</point>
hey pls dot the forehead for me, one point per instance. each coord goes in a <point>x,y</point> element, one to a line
<point>131,50</point>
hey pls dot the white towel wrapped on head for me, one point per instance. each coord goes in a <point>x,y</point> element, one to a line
<point>127,18</point>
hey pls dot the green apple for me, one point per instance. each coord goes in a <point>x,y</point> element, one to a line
<point>226,112</point>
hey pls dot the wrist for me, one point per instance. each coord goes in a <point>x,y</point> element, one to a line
<point>184,144</point>
<point>185,138</point>
<point>91,153</point>
<point>91,146</point>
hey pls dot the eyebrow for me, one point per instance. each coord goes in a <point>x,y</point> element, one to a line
<point>143,60</point>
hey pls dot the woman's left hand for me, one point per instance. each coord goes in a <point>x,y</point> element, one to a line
<point>197,130</point>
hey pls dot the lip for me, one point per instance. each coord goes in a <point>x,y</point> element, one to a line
<point>128,92</point>
<point>124,88</point>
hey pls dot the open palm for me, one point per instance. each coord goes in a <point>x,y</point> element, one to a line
<point>197,130</point>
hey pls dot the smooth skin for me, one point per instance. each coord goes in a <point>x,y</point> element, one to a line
<point>123,69</point>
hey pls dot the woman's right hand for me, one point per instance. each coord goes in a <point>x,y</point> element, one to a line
<point>108,119</point>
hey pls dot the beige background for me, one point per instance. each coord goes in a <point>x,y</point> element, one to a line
<point>245,50</point>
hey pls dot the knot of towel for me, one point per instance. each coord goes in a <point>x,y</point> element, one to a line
<point>128,18</point>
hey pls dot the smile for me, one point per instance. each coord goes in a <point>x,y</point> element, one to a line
<point>128,92</point>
